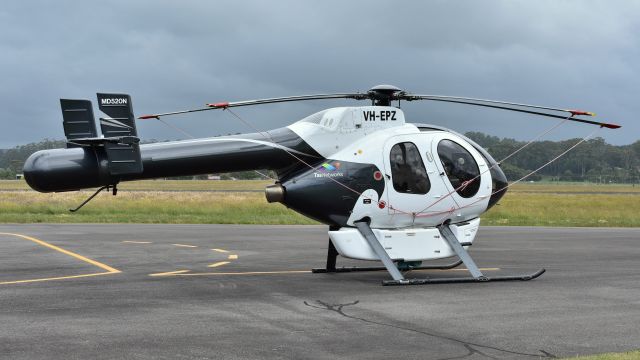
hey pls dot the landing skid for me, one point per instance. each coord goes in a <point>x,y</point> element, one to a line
<point>398,277</point>
<point>467,279</point>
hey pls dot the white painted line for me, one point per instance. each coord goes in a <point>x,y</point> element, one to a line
<point>170,273</point>
<point>219,264</point>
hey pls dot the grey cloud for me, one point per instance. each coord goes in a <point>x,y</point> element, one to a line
<point>176,55</point>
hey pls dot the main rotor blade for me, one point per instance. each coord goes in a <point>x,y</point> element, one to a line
<point>224,105</point>
<point>504,105</point>
<point>510,106</point>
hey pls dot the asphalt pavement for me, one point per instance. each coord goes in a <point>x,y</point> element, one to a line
<point>245,292</point>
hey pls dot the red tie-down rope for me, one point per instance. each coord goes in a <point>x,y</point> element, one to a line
<point>268,137</point>
<point>466,183</point>
<point>192,137</point>
<point>527,175</point>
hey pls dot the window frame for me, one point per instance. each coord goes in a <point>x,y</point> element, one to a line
<point>408,181</point>
<point>471,189</point>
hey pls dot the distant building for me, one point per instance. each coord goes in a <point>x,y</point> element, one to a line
<point>213,177</point>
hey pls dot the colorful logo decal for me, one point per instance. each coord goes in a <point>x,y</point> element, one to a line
<point>329,169</point>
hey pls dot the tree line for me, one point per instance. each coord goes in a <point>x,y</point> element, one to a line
<point>592,161</point>
<point>12,160</point>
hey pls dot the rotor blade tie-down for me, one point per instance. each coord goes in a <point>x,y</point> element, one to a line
<point>398,96</point>
<point>268,137</point>
<point>554,159</point>
<point>538,169</point>
<point>175,128</point>
<point>466,183</point>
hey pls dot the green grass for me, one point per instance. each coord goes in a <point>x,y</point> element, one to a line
<point>184,202</point>
<point>185,207</point>
<point>631,355</point>
<point>565,209</point>
<point>575,188</point>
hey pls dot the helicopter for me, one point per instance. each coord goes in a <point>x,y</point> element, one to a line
<point>391,191</point>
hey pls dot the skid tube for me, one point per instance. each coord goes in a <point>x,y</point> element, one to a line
<point>468,279</point>
<point>398,277</point>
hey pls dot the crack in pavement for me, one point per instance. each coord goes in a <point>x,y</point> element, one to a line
<point>472,348</point>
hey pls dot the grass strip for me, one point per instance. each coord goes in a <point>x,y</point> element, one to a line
<point>152,207</point>
<point>198,207</point>
<point>591,210</point>
<point>630,355</point>
<point>190,202</point>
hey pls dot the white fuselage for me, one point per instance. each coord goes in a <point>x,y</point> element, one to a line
<point>404,221</point>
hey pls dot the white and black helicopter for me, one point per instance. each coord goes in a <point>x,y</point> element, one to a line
<point>392,191</point>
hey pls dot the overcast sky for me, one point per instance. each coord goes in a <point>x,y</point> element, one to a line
<point>175,55</point>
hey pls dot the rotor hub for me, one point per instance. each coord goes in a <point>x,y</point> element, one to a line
<point>381,95</point>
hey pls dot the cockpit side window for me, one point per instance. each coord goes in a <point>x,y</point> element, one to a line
<point>461,168</point>
<point>407,169</point>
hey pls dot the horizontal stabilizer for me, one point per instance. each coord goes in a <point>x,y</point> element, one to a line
<point>100,141</point>
<point>77,119</point>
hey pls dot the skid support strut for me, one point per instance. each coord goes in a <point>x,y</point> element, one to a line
<point>476,274</point>
<point>368,234</point>
<point>332,255</point>
<point>399,279</point>
<point>451,239</point>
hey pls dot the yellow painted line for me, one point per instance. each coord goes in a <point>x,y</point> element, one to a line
<point>183,245</point>
<point>220,250</point>
<point>136,242</point>
<point>55,278</point>
<point>218,264</point>
<point>233,257</point>
<point>66,252</point>
<point>249,273</point>
<point>170,273</point>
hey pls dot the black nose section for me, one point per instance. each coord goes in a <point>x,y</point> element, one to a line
<point>498,185</point>
<point>498,179</point>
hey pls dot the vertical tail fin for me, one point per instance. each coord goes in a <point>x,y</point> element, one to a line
<point>119,135</point>
<point>123,157</point>
<point>119,120</point>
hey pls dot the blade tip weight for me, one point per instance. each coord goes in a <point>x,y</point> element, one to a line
<point>143,117</point>
<point>581,112</point>
<point>220,105</point>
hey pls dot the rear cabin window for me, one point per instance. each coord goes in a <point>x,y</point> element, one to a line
<point>460,167</point>
<point>407,169</point>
